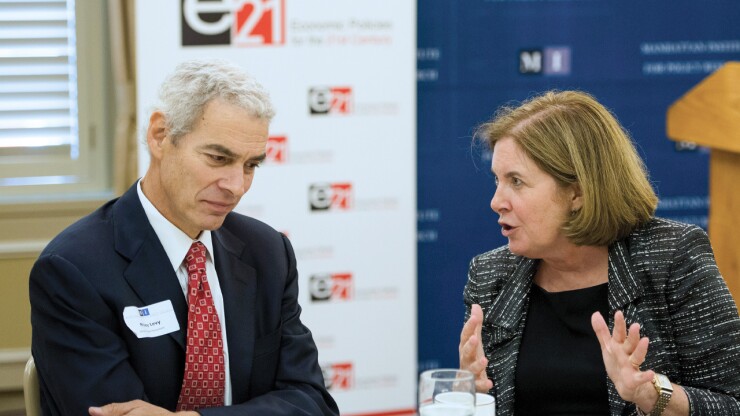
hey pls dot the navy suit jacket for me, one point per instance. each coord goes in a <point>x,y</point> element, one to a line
<point>87,356</point>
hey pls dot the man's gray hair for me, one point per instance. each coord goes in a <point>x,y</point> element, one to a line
<point>185,93</point>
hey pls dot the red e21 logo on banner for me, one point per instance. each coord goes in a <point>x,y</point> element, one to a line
<point>238,22</point>
<point>330,100</point>
<point>326,196</point>
<point>338,376</point>
<point>342,286</point>
<point>276,150</point>
<point>326,287</point>
<point>260,22</point>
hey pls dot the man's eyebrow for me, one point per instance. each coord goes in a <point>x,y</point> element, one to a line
<point>220,149</point>
<point>258,158</point>
<point>228,153</point>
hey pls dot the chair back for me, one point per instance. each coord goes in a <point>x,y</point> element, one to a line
<point>31,394</point>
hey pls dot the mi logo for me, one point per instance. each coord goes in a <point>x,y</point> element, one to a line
<point>548,61</point>
<point>530,61</point>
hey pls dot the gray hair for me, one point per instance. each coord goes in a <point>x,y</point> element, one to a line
<point>185,93</point>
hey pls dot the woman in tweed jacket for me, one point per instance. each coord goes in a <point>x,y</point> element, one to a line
<point>574,201</point>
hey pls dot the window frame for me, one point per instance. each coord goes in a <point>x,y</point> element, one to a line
<point>89,177</point>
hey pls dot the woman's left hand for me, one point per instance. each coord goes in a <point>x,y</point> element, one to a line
<point>623,354</point>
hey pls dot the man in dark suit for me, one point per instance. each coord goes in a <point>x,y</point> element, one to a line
<point>119,299</point>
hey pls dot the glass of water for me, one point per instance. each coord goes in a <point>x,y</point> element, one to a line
<point>446,392</point>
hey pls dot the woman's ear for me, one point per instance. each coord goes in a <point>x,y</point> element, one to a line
<point>156,133</point>
<point>576,197</point>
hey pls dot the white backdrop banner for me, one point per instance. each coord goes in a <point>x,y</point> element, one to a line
<point>340,177</point>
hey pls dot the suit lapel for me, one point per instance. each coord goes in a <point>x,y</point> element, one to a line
<point>150,273</point>
<point>507,317</point>
<point>153,279</point>
<point>508,308</point>
<point>624,288</point>
<point>238,281</point>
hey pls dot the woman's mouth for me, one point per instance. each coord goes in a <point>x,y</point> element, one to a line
<point>506,229</point>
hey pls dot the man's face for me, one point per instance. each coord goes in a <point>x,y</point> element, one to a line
<point>198,181</point>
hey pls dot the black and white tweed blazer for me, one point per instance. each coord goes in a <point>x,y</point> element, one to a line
<point>662,276</point>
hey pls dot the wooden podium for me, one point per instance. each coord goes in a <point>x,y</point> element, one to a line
<point>709,115</point>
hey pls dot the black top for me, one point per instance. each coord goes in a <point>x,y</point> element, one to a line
<point>560,370</point>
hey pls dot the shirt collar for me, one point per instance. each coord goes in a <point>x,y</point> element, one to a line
<point>174,241</point>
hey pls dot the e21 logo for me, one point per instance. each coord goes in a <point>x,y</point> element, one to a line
<point>237,22</point>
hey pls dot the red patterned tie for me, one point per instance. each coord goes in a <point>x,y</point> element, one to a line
<point>204,379</point>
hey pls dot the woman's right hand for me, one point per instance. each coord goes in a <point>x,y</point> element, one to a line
<point>472,357</point>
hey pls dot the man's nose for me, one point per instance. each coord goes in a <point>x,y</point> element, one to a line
<point>235,181</point>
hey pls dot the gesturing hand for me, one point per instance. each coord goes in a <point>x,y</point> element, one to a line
<point>623,354</point>
<point>472,357</point>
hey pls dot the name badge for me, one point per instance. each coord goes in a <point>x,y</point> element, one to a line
<point>151,321</point>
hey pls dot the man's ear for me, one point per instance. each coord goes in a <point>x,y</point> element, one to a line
<point>156,134</point>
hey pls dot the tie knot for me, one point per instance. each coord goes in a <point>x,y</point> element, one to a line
<point>196,255</point>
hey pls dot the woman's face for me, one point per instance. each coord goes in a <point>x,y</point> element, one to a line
<point>531,206</point>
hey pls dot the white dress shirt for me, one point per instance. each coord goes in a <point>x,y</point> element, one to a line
<point>176,244</point>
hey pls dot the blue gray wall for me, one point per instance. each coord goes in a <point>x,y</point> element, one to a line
<point>636,57</point>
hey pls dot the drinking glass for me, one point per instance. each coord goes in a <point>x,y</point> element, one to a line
<point>446,392</point>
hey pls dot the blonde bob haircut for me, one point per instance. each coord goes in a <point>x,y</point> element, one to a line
<point>577,141</point>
